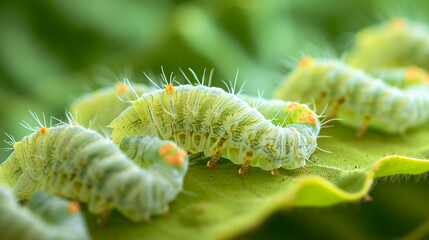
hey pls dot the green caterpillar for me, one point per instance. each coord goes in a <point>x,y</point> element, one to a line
<point>209,120</point>
<point>402,77</point>
<point>359,99</point>
<point>103,105</point>
<point>71,161</point>
<point>46,217</point>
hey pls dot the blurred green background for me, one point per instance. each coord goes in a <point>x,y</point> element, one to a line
<point>53,51</point>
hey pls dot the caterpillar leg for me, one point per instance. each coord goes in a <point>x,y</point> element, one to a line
<point>244,167</point>
<point>212,163</point>
<point>275,172</point>
<point>243,170</point>
<point>213,160</point>
<point>364,126</point>
<point>102,221</point>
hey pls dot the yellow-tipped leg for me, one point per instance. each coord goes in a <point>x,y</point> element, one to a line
<point>243,170</point>
<point>275,172</point>
<point>212,163</point>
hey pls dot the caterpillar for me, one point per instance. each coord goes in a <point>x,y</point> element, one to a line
<point>281,113</point>
<point>77,163</point>
<point>45,217</point>
<point>397,43</point>
<point>359,99</point>
<point>217,123</point>
<point>402,77</point>
<point>88,107</point>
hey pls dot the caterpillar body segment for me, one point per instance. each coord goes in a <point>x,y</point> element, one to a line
<point>45,217</point>
<point>102,106</point>
<point>356,97</point>
<point>209,120</point>
<point>283,113</point>
<point>397,43</point>
<point>402,77</point>
<point>80,164</point>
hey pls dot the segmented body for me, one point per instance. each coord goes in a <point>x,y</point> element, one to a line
<point>359,99</point>
<point>282,113</point>
<point>80,164</point>
<point>209,120</point>
<point>397,43</point>
<point>102,106</point>
<point>402,77</point>
<point>46,217</point>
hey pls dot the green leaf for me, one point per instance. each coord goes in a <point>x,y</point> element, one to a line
<point>221,204</point>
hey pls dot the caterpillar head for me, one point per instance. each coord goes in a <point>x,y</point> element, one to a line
<point>302,114</point>
<point>146,151</point>
<point>172,154</point>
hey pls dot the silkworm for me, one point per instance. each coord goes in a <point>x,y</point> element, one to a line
<point>96,110</point>
<point>71,161</point>
<point>45,217</point>
<point>397,43</point>
<point>216,123</point>
<point>359,99</point>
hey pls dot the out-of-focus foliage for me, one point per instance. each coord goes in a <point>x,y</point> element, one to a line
<point>53,51</point>
<point>398,210</point>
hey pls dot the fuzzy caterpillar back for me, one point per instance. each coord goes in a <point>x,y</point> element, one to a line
<point>397,43</point>
<point>80,164</point>
<point>209,120</point>
<point>102,106</point>
<point>356,97</point>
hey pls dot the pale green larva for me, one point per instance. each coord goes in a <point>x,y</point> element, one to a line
<point>71,161</point>
<point>209,120</point>
<point>46,217</point>
<point>356,97</point>
<point>396,52</point>
<point>281,113</point>
<point>402,77</point>
<point>397,43</point>
<point>96,110</point>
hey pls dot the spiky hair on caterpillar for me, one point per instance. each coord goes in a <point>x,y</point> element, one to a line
<point>356,97</point>
<point>91,108</point>
<point>203,119</point>
<point>78,163</point>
